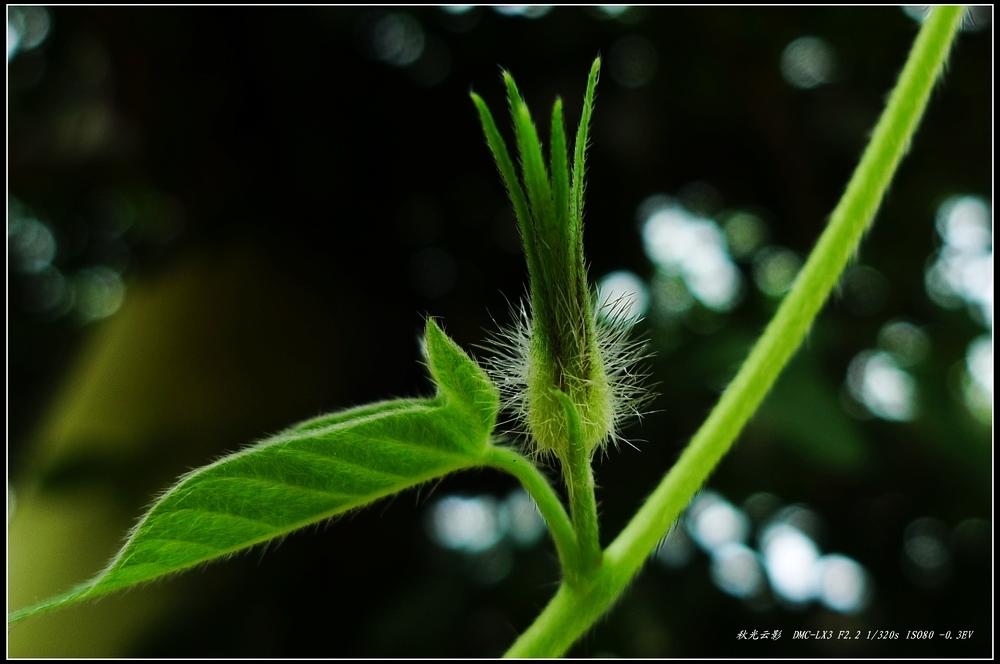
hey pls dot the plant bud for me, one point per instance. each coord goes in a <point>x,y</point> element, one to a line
<point>561,346</point>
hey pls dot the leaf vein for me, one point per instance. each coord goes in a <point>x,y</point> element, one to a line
<point>267,481</point>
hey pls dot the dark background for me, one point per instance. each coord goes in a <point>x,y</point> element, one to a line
<point>285,203</point>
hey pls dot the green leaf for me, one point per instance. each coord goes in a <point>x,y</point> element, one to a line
<point>313,471</point>
<point>580,147</point>
<point>463,383</point>
<point>509,174</point>
<point>559,166</point>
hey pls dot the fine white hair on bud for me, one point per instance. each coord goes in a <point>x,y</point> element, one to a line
<point>621,356</point>
<point>566,373</point>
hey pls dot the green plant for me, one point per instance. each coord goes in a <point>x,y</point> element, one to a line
<point>422,439</point>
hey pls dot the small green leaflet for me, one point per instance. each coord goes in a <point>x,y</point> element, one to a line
<point>313,471</point>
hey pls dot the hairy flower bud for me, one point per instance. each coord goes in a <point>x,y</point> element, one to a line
<point>561,347</point>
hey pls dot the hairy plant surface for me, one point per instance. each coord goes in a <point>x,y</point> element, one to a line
<point>570,379</point>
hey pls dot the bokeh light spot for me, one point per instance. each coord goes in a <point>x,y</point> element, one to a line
<point>671,295</point>
<point>622,295</point>
<point>963,270</point>
<point>49,293</point>
<point>31,245</point>
<point>524,524</point>
<point>790,557</point>
<point>13,38</point>
<point>907,343</point>
<point>864,290</point>
<point>745,234</point>
<point>633,61</point>
<point>979,360</point>
<point>525,11</point>
<point>926,557</point>
<point>737,570</point>
<point>761,505</point>
<point>694,248</point>
<point>875,380</point>
<point>978,384</point>
<point>433,65</point>
<point>485,531</point>
<point>676,549</point>
<point>27,28</point>
<point>964,223</point>
<point>972,538</point>
<point>465,524</point>
<point>613,11</point>
<point>808,62</point>
<point>713,521</point>
<point>397,39</point>
<point>775,269</point>
<point>842,584</point>
<point>99,291</point>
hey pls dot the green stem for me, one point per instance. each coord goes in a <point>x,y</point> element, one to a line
<point>573,610</point>
<point>579,477</point>
<point>549,505</point>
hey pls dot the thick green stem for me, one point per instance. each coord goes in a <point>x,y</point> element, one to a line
<point>579,476</point>
<point>573,610</point>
